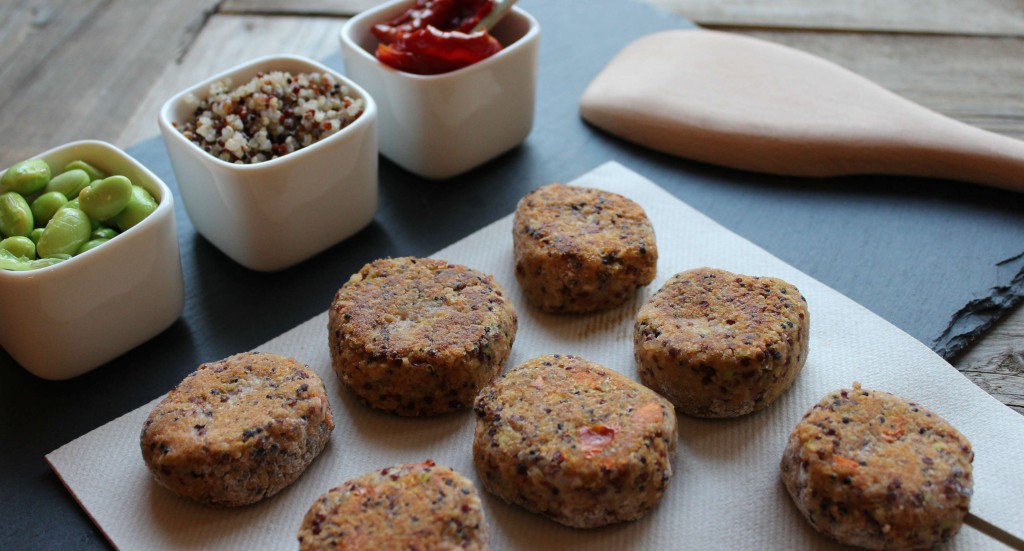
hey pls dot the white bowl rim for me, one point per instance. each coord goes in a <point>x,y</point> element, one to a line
<point>346,36</point>
<point>166,202</point>
<point>369,111</point>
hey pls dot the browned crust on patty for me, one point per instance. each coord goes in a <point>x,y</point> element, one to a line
<point>871,469</point>
<point>581,249</point>
<point>417,506</point>
<point>420,336</point>
<point>238,430</point>
<point>574,441</point>
<point>719,344</point>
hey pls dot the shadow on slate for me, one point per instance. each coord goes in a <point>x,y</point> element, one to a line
<point>938,259</point>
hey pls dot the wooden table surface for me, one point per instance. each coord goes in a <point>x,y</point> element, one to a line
<point>100,69</point>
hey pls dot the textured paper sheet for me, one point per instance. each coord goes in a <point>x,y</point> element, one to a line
<point>725,493</point>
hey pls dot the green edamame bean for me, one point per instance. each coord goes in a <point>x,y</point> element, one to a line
<point>103,234</point>
<point>15,215</point>
<point>19,246</point>
<point>26,177</point>
<point>91,244</point>
<point>93,172</point>
<point>72,204</point>
<point>139,207</point>
<point>107,198</point>
<point>67,231</point>
<point>19,264</point>
<point>12,262</point>
<point>47,262</point>
<point>70,183</point>
<point>44,207</point>
<point>35,235</point>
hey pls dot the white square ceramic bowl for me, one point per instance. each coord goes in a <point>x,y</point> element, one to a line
<point>271,215</point>
<point>438,126</point>
<point>61,321</point>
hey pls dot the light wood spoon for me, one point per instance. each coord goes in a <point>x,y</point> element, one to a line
<point>754,105</point>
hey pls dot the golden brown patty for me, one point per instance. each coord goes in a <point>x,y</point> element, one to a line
<point>574,441</point>
<point>873,470</point>
<point>421,506</point>
<point>238,430</point>
<point>580,249</point>
<point>718,344</point>
<point>418,336</point>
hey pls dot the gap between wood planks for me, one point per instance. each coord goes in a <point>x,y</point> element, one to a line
<point>192,32</point>
<point>827,30</point>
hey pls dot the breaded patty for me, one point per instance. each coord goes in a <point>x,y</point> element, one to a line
<point>871,469</point>
<point>238,430</point>
<point>719,344</point>
<point>421,506</point>
<point>419,336</point>
<point>574,441</point>
<point>581,249</point>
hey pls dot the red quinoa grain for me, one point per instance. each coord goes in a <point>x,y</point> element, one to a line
<point>272,115</point>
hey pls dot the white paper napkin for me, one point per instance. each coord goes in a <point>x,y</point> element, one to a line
<point>726,492</point>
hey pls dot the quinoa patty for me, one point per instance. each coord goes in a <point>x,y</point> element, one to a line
<point>718,344</point>
<point>871,469</point>
<point>419,506</point>
<point>419,336</point>
<point>574,441</point>
<point>238,430</point>
<point>581,249</point>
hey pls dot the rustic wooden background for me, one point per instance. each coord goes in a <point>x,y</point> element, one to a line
<point>77,69</point>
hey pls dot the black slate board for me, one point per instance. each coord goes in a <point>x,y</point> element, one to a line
<point>938,259</point>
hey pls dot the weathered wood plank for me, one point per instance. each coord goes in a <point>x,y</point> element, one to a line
<point>81,66</point>
<point>977,80</point>
<point>211,53</point>
<point>978,17</point>
<point>1001,377</point>
<point>32,30</point>
<point>996,362</point>
<point>299,7</point>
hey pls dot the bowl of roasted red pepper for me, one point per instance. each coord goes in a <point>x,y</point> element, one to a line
<point>450,97</point>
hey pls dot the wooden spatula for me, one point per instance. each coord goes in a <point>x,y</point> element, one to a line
<point>750,104</point>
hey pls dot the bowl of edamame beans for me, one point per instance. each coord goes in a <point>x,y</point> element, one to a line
<point>89,261</point>
<point>276,159</point>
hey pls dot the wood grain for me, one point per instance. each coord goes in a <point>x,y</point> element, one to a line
<point>299,7</point>
<point>996,362</point>
<point>80,65</point>
<point>977,80</point>
<point>950,17</point>
<point>251,37</point>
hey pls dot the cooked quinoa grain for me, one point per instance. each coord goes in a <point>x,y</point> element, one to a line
<point>419,506</point>
<point>574,441</point>
<point>871,469</point>
<point>238,430</point>
<point>272,115</point>
<point>719,344</point>
<point>419,336</point>
<point>581,249</point>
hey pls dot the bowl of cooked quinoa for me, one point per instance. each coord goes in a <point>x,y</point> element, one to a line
<point>276,159</point>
